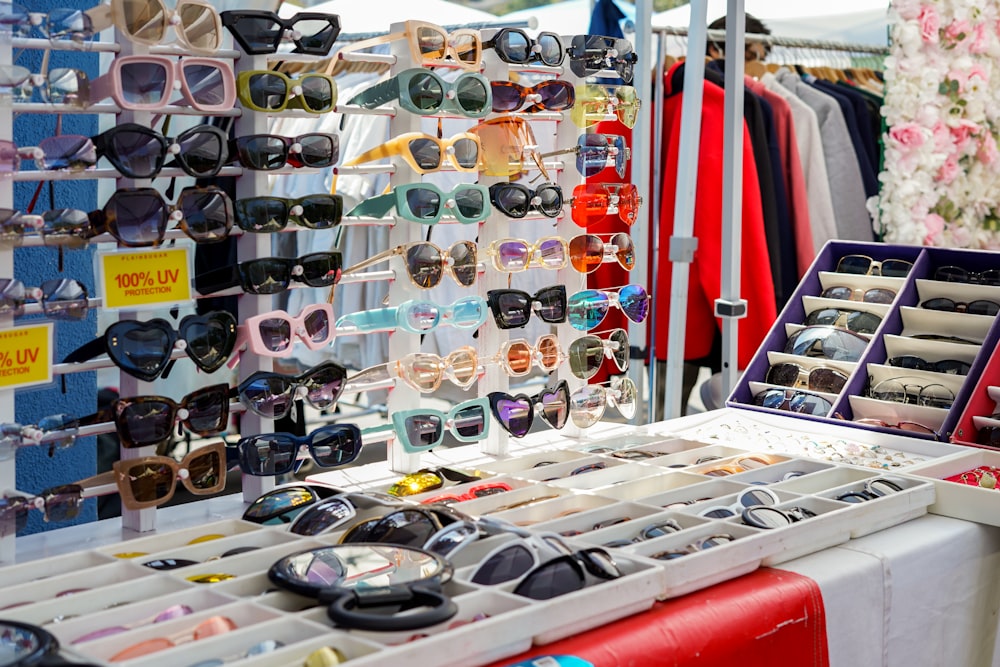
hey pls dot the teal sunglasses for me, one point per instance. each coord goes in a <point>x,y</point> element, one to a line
<point>423,429</point>
<point>423,92</point>
<point>426,204</point>
<point>417,317</point>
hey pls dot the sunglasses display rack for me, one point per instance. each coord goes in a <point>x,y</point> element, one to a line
<point>910,370</point>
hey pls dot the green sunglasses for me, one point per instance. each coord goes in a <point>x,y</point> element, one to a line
<point>423,92</point>
<point>423,429</point>
<point>425,203</point>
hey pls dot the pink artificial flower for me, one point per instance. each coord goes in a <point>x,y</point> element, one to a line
<point>958,30</point>
<point>978,71</point>
<point>949,170</point>
<point>930,24</point>
<point>960,237</point>
<point>962,133</point>
<point>979,44</point>
<point>909,136</point>
<point>908,10</point>
<point>988,153</point>
<point>942,136</point>
<point>934,224</point>
<point>961,76</point>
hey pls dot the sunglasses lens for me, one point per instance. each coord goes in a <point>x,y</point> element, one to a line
<point>136,153</point>
<point>321,211</point>
<point>208,410</point>
<point>809,404</point>
<point>620,351</point>
<point>324,385</point>
<point>519,358</point>
<point>826,342</point>
<point>318,150</point>
<point>405,527</point>
<point>207,214</point>
<point>586,309</point>
<point>261,214</point>
<point>323,517</point>
<point>67,151</point>
<point>463,366</point>
<point>137,217</point>
<point>62,503</point>
<point>551,304</point>
<point>827,380</point>
<point>262,152</point>
<point>13,515</point>
<point>470,203</point>
<point>64,299</point>
<point>145,21</point>
<point>266,276</point>
<point>424,263</point>
<point>467,48</point>
<point>585,356</point>
<point>425,91</point>
<point>556,95</point>
<point>513,46</point>
<point>336,445</point>
<point>143,83</point>
<point>463,263</point>
<point>149,482</point>
<point>426,153</point>
<point>467,313</point>
<point>202,151</point>
<point>205,83</point>
<point>317,326</point>
<point>261,34</point>
<point>512,255</point>
<point>555,578</point>
<point>625,396</point>
<point>507,96</point>
<point>515,414</point>
<point>549,353</point>
<point>511,563</point>
<point>787,375</point>
<point>858,264</point>
<point>431,43</point>
<point>205,471</point>
<point>470,422</point>
<point>272,454</point>
<point>555,406</point>
<point>321,269</point>
<point>267,91</point>
<point>550,50</point>
<point>11,297</point>
<point>896,268</point>
<point>624,251</point>
<point>512,200</point>
<point>144,423</point>
<point>423,204</point>
<point>586,252</point>
<point>317,35</point>
<point>279,506</point>
<point>510,307</point>
<point>269,396</point>
<point>587,405</point>
<point>424,431</point>
<point>141,349</point>
<point>317,93</point>
<point>422,316</point>
<point>466,153</point>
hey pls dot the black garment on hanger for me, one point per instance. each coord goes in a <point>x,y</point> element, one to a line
<point>868,175</point>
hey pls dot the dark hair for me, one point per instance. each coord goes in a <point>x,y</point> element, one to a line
<point>752,25</point>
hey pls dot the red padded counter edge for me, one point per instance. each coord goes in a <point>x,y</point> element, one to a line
<point>769,617</point>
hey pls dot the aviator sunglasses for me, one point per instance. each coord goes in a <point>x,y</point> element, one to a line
<point>144,349</point>
<point>587,308</point>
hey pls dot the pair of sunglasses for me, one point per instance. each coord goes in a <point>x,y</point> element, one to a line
<point>267,152</point>
<point>270,91</point>
<point>588,404</point>
<point>587,353</point>
<point>591,202</point>
<point>418,317</point>
<point>144,349</point>
<point>425,153</point>
<point>426,203</point>
<point>269,454</point>
<point>60,299</point>
<point>864,265</point>
<point>514,46</point>
<point>825,380</point>
<point>196,24</point>
<point>426,263</point>
<point>423,92</point>
<point>550,95</point>
<point>267,215</point>
<point>826,342</point>
<point>431,45</point>
<point>585,252</point>
<point>505,141</point>
<point>271,275</point>
<point>589,54</point>
<point>516,201</point>
<point>145,421</point>
<point>857,321</point>
<point>425,371</point>
<point>138,217</point>
<point>949,366</point>
<point>594,103</point>
<point>518,357</point>
<point>915,391</point>
<point>271,395</point>
<point>593,152</point>
<point>874,295</point>
<point>261,32</point>
<point>512,308</point>
<point>515,413</point>
<point>977,307</point>
<point>957,274</point>
<point>58,504</point>
<point>148,83</point>
<point>150,481</point>
<point>281,505</point>
<point>137,151</point>
<point>334,512</point>
<point>70,152</point>
<point>273,334</point>
<point>793,401</point>
<point>421,429</point>
<point>59,85</point>
<point>587,308</point>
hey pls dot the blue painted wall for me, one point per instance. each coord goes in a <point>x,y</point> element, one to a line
<point>35,469</point>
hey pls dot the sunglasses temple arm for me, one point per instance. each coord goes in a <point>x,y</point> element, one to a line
<point>377,95</point>
<point>100,17</point>
<point>371,261</point>
<point>239,347</point>
<point>375,207</point>
<point>564,151</point>
<point>387,149</point>
<point>102,484</point>
<point>86,351</point>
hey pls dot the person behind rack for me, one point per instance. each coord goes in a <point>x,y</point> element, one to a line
<point>753,51</point>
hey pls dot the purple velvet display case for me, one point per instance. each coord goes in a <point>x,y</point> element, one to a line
<point>925,262</point>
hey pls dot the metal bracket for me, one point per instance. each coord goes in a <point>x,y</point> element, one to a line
<point>682,248</point>
<point>731,309</point>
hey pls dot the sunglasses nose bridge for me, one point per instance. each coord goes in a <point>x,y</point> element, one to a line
<point>301,391</point>
<point>183,473</point>
<point>180,345</point>
<point>175,19</point>
<point>450,95</point>
<point>450,203</point>
<point>296,210</point>
<point>183,414</point>
<point>296,90</point>
<point>297,270</point>
<point>535,201</point>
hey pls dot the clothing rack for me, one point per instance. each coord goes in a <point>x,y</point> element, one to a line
<point>729,307</point>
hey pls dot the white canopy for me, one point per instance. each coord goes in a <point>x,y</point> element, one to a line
<point>862,21</point>
<point>363,16</point>
<point>570,17</point>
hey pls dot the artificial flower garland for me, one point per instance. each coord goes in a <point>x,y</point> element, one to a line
<point>941,183</point>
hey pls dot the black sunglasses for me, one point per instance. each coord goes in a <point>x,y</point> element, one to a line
<point>144,421</point>
<point>516,412</point>
<point>266,152</point>
<point>567,573</point>
<point>278,453</point>
<point>514,46</point>
<point>512,308</point>
<point>144,349</point>
<point>791,400</point>
<point>515,200</point>
<point>593,53</point>
<point>281,505</point>
<point>949,366</point>
<point>138,151</point>
<point>271,275</point>
<point>138,217</point>
<point>271,395</point>
<point>977,307</point>
<point>956,274</point>
<point>261,32</point>
<point>263,215</point>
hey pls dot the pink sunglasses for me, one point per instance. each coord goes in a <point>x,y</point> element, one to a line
<point>273,334</point>
<point>146,83</point>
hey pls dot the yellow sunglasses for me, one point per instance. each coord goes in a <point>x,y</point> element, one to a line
<point>270,91</point>
<point>426,153</point>
<point>594,103</point>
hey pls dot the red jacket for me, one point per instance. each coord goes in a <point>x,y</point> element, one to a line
<point>704,285</point>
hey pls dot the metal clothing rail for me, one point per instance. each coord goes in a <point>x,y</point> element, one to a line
<point>729,307</point>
